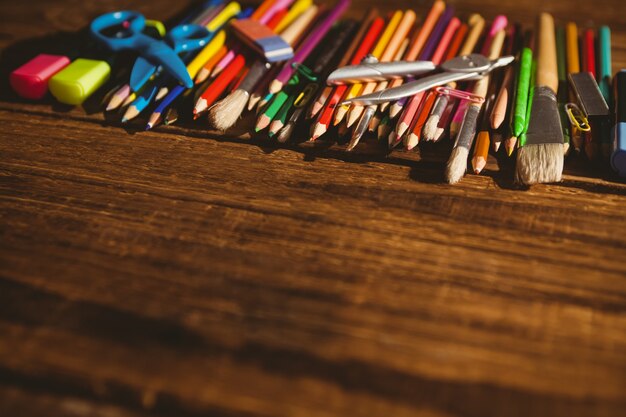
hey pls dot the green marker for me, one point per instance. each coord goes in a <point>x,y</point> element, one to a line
<point>521,92</point>
<point>529,105</point>
<point>604,70</point>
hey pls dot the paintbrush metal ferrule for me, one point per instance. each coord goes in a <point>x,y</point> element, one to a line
<point>535,165</point>
<point>467,131</point>
<point>457,163</point>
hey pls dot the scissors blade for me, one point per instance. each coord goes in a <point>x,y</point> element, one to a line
<point>143,68</point>
<point>410,88</point>
<point>141,73</point>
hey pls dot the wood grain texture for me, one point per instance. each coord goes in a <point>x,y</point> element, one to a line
<point>181,273</point>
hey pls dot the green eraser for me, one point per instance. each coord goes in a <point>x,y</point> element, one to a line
<point>76,82</point>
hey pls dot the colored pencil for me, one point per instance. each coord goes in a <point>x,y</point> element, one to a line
<point>414,102</point>
<point>398,27</point>
<point>436,123</point>
<point>420,37</point>
<point>327,92</point>
<point>309,44</point>
<point>424,44</point>
<point>369,37</point>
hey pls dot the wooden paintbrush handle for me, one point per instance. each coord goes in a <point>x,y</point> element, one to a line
<point>481,86</point>
<point>547,72</point>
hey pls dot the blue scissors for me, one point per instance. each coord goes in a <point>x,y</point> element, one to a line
<point>152,52</point>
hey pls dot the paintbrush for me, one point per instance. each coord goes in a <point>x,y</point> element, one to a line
<point>540,159</point>
<point>457,163</point>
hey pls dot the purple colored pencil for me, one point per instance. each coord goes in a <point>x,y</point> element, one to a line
<point>308,45</point>
<point>436,34</point>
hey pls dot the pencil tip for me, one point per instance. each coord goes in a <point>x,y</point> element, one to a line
<point>275,86</point>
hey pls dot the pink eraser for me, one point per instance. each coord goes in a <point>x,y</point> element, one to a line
<point>31,79</point>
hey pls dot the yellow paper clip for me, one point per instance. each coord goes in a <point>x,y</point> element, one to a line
<point>305,96</point>
<point>576,117</point>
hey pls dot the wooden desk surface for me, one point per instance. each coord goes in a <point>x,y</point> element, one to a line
<point>177,273</point>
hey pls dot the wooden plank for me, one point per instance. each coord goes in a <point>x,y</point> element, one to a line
<point>177,272</point>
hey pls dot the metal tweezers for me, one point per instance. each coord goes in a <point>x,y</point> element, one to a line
<point>462,68</point>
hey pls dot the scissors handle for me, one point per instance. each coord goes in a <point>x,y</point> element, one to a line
<point>132,22</point>
<point>189,37</point>
<point>182,38</point>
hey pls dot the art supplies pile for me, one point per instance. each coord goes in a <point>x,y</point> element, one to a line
<point>490,87</point>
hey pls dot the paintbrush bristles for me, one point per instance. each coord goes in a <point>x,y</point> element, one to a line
<point>457,164</point>
<point>430,128</point>
<point>225,114</point>
<point>538,164</point>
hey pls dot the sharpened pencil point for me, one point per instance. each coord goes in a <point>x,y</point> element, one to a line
<point>262,123</point>
<point>392,139</point>
<point>395,110</point>
<point>130,114</point>
<point>318,130</point>
<point>401,129</point>
<point>118,98</point>
<point>315,108</point>
<point>509,145</point>
<point>203,74</point>
<point>411,141</point>
<point>276,86</point>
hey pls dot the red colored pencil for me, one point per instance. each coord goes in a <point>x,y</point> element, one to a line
<point>329,108</point>
<point>218,86</point>
<point>275,20</point>
<point>455,45</point>
<point>589,54</point>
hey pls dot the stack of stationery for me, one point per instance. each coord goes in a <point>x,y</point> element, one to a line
<point>538,94</point>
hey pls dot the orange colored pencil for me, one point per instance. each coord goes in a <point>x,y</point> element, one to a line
<point>421,36</point>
